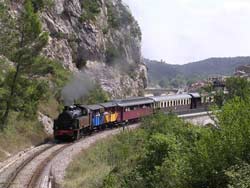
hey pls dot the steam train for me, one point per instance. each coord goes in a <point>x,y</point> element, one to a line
<point>77,119</point>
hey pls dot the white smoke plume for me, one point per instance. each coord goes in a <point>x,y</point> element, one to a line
<point>78,87</point>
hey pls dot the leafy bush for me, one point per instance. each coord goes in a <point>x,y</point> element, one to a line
<point>81,63</point>
<point>91,8</point>
<point>239,87</point>
<point>96,95</point>
<point>136,31</point>
<point>40,5</point>
<point>119,18</point>
<point>113,18</point>
<point>111,54</point>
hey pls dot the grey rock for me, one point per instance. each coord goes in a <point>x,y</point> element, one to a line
<point>74,42</point>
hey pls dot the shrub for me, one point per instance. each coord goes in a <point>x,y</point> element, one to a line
<point>113,17</point>
<point>91,8</point>
<point>40,5</point>
<point>111,54</point>
<point>81,63</point>
<point>96,95</point>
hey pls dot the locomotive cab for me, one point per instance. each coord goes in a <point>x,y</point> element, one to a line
<point>70,122</point>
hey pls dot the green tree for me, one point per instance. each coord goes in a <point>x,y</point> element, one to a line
<point>23,40</point>
<point>96,95</point>
<point>239,175</point>
<point>239,87</point>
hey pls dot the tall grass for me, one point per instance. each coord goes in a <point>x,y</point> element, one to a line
<point>91,167</point>
<point>20,134</point>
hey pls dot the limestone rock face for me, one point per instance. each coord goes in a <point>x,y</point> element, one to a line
<point>47,122</point>
<point>119,81</point>
<point>107,47</point>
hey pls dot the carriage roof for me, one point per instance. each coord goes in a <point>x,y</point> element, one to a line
<point>171,97</point>
<point>134,101</point>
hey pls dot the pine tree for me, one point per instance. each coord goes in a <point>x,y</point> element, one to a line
<point>22,41</point>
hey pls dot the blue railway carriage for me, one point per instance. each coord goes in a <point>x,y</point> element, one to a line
<point>96,115</point>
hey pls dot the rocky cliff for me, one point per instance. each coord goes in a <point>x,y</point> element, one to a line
<point>99,37</point>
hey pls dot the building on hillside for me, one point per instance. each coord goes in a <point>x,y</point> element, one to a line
<point>242,71</point>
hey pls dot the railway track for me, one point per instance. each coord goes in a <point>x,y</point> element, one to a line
<point>34,181</point>
<point>42,167</point>
<point>27,171</point>
<point>13,175</point>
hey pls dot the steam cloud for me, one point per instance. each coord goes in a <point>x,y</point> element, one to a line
<point>78,87</point>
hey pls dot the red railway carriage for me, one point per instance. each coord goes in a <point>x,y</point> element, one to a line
<point>134,108</point>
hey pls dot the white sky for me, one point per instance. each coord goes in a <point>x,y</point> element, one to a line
<point>182,31</point>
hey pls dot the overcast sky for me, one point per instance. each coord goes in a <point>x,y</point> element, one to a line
<point>182,31</point>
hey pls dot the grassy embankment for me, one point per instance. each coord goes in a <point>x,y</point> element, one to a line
<point>90,167</point>
<point>19,135</point>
